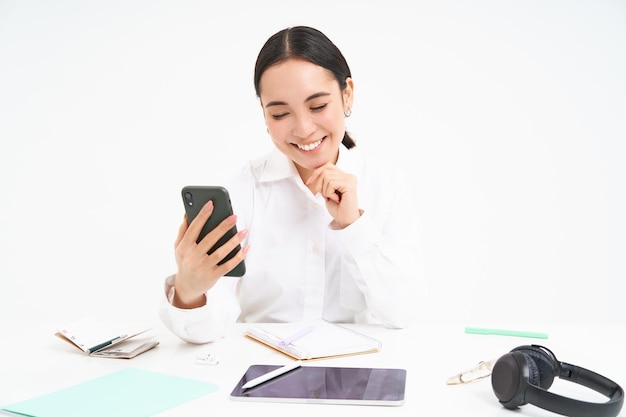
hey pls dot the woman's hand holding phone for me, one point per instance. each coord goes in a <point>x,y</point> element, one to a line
<point>198,271</point>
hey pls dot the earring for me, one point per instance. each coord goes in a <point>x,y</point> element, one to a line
<point>348,113</point>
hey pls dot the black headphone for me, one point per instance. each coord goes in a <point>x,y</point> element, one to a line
<point>524,375</point>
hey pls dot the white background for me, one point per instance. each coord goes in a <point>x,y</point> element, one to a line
<point>510,117</point>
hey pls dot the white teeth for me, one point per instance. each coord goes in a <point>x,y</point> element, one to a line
<point>310,146</point>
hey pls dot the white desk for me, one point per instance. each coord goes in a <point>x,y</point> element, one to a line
<point>34,362</point>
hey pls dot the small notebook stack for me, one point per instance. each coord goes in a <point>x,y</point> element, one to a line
<point>108,340</point>
<point>316,339</point>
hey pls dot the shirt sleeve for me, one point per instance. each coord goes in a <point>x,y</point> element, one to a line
<point>203,324</point>
<point>382,257</point>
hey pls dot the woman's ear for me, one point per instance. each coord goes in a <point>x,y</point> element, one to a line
<point>262,108</point>
<point>348,95</point>
<point>264,117</point>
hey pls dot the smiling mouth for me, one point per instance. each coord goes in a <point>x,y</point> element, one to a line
<point>310,146</point>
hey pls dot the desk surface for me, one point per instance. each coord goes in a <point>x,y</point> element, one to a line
<point>34,362</point>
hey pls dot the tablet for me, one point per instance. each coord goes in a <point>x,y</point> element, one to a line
<point>326,385</point>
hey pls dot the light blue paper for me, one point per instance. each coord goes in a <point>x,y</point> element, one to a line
<point>130,392</point>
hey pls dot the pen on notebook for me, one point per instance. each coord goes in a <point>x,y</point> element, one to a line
<point>289,340</point>
<point>105,344</point>
<point>271,375</point>
<point>503,332</point>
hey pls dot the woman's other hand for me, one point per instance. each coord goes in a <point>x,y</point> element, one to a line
<point>339,190</point>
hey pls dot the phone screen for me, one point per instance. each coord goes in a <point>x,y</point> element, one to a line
<point>194,198</point>
<point>322,384</point>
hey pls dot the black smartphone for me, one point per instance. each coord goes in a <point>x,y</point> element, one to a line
<point>194,198</point>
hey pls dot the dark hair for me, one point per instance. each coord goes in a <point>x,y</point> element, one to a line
<point>305,43</point>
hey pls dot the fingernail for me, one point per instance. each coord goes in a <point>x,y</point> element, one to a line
<point>208,205</point>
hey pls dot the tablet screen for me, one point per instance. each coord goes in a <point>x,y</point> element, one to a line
<point>330,385</point>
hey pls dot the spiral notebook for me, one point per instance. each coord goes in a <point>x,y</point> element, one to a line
<point>317,339</point>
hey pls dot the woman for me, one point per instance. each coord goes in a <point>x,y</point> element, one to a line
<point>324,232</point>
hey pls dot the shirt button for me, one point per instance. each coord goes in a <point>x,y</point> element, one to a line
<point>316,249</point>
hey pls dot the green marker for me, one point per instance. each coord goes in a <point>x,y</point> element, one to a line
<point>502,332</point>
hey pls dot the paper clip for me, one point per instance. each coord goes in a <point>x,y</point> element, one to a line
<point>477,373</point>
<point>207,359</point>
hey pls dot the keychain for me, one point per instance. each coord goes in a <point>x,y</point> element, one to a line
<point>480,371</point>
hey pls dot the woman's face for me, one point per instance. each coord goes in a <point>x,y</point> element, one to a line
<point>304,112</point>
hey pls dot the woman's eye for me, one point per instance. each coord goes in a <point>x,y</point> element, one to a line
<point>279,116</point>
<point>318,108</point>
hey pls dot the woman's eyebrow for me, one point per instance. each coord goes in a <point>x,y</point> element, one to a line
<point>309,98</point>
<point>316,95</point>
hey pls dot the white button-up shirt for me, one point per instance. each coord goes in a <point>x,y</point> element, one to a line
<point>298,267</point>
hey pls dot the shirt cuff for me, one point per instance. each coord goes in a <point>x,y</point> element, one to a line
<point>191,325</point>
<point>360,234</point>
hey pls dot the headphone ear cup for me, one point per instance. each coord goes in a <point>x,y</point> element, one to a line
<point>534,374</point>
<point>545,365</point>
<point>508,378</point>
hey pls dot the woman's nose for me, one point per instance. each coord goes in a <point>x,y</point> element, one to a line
<point>304,126</point>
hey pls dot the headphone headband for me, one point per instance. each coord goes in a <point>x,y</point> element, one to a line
<point>525,374</point>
